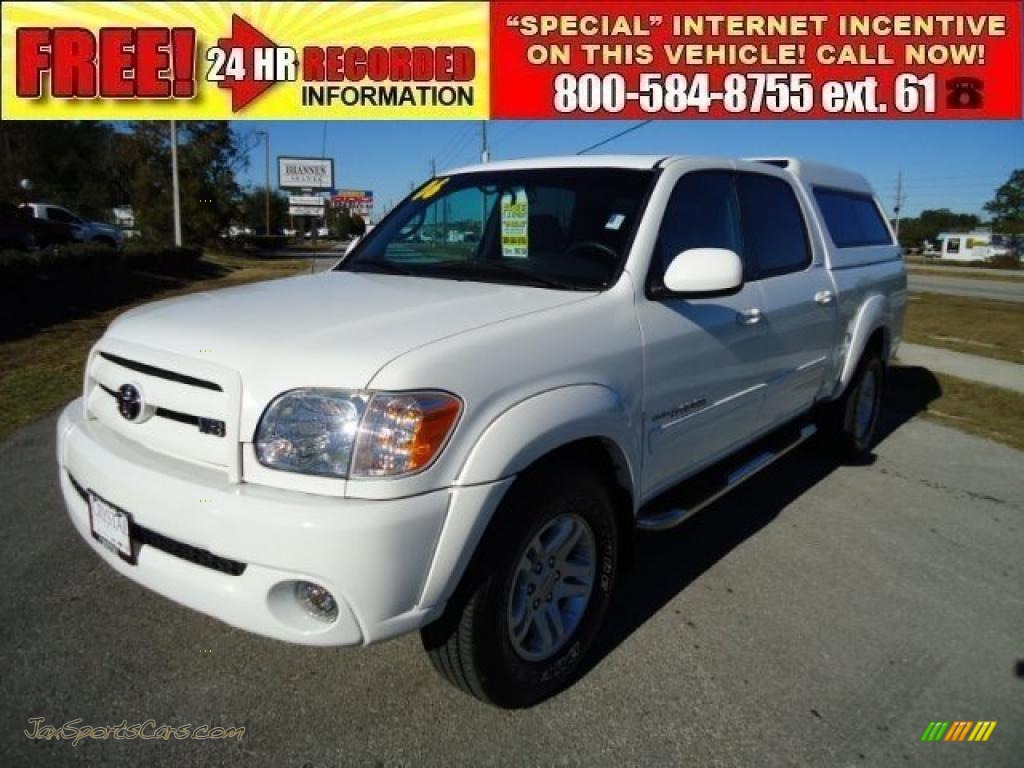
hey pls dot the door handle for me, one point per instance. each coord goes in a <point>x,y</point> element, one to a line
<point>750,316</point>
<point>824,297</point>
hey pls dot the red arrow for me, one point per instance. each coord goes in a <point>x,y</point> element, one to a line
<point>247,38</point>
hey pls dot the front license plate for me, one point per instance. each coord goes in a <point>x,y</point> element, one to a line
<point>111,527</point>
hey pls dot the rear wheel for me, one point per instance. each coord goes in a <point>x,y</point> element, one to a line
<point>850,424</point>
<point>531,605</point>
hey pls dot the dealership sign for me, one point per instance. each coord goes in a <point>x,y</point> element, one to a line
<point>305,172</point>
<point>305,210</point>
<point>356,200</point>
<point>305,205</point>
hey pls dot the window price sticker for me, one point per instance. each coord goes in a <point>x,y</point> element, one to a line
<point>790,59</point>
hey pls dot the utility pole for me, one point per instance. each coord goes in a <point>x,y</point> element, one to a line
<point>174,184</point>
<point>266,180</point>
<point>899,204</point>
<point>485,151</point>
<point>433,175</point>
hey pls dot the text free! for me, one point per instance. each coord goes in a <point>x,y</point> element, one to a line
<point>121,62</point>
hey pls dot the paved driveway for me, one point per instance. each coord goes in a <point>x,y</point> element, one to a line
<point>817,616</point>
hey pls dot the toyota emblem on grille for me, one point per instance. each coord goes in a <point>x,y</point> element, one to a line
<point>130,403</point>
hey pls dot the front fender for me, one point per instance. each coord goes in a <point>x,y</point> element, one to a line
<point>512,442</point>
<point>549,420</point>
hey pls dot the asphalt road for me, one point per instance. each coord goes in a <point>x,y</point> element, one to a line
<point>819,615</point>
<point>999,290</point>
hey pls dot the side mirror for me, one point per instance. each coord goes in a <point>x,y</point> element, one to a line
<point>705,271</point>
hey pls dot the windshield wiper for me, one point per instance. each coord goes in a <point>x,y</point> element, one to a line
<point>380,266</point>
<point>488,268</point>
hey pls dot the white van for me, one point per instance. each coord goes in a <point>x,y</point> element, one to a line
<point>970,246</point>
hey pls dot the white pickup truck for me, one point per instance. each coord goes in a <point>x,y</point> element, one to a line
<point>459,427</point>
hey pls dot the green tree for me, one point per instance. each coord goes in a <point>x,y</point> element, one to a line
<point>927,226</point>
<point>252,210</point>
<point>339,222</point>
<point>83,166</point>
<point>1007,207</point>
<point>358,226</point>
<point>209,155</point>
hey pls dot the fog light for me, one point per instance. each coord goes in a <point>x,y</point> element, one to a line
<point>318,602</point>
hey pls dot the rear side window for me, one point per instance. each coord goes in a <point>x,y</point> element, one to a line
<point>774,233</point>
<point>853,220</point>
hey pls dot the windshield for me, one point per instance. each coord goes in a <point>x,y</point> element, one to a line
<point>567,229</point>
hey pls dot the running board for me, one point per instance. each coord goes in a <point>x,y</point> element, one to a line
<point>676,505</point>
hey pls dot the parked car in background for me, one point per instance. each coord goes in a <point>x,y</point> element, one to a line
<point>57,225</point>
<point>17,229</point>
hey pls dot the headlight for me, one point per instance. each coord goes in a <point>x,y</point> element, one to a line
<point>311,431</point>
<point>339,433</point>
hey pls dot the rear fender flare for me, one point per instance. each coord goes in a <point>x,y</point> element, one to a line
<point>873,314</point>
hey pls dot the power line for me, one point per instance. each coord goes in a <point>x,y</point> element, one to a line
<point>450,143</point>
<point>457,146</point>
<point>503,137</point>
<point>615,136</point>
<point>947,184</point>
<point>957,176</point>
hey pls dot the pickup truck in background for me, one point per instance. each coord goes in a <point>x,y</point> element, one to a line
<point>461,426</point>
<point>56,226</point>
<point>17,228</point>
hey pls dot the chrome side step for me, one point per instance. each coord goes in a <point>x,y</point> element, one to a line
<point>678,504</point>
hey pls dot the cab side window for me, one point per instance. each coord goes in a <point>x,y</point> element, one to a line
<point>703,212</point>
<point>59,214</point>
<point>774,234</point>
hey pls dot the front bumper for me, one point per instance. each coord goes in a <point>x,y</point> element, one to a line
<point>374,556</point>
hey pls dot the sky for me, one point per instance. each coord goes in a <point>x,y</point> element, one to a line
<point>945,164</point>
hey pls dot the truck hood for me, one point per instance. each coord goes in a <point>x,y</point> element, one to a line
<point>333,329</point>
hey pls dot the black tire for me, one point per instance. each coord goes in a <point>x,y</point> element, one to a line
<point>471,644</point>
<point>849,436</point>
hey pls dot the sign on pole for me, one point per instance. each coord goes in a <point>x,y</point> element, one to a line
<point>305,205</point>
<point>305,172</point>
<point>306,210</point>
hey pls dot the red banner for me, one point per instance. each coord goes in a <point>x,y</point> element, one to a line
<point>915,59</point>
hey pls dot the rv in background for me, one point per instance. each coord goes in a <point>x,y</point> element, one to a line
<point>971,246</point>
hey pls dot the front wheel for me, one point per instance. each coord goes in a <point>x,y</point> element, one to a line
<point>532,603</point>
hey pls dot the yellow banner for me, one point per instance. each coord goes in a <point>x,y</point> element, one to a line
<point>215,60</point>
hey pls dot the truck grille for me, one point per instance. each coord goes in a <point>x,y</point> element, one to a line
<point>191,406</point>
<point>152,370</point>
<point>147,537</point>
<point>205,425</point>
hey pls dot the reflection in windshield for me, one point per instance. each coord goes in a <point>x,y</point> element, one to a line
<point>567,229</point>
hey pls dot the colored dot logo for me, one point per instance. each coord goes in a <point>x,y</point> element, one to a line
<point>958,730</point>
